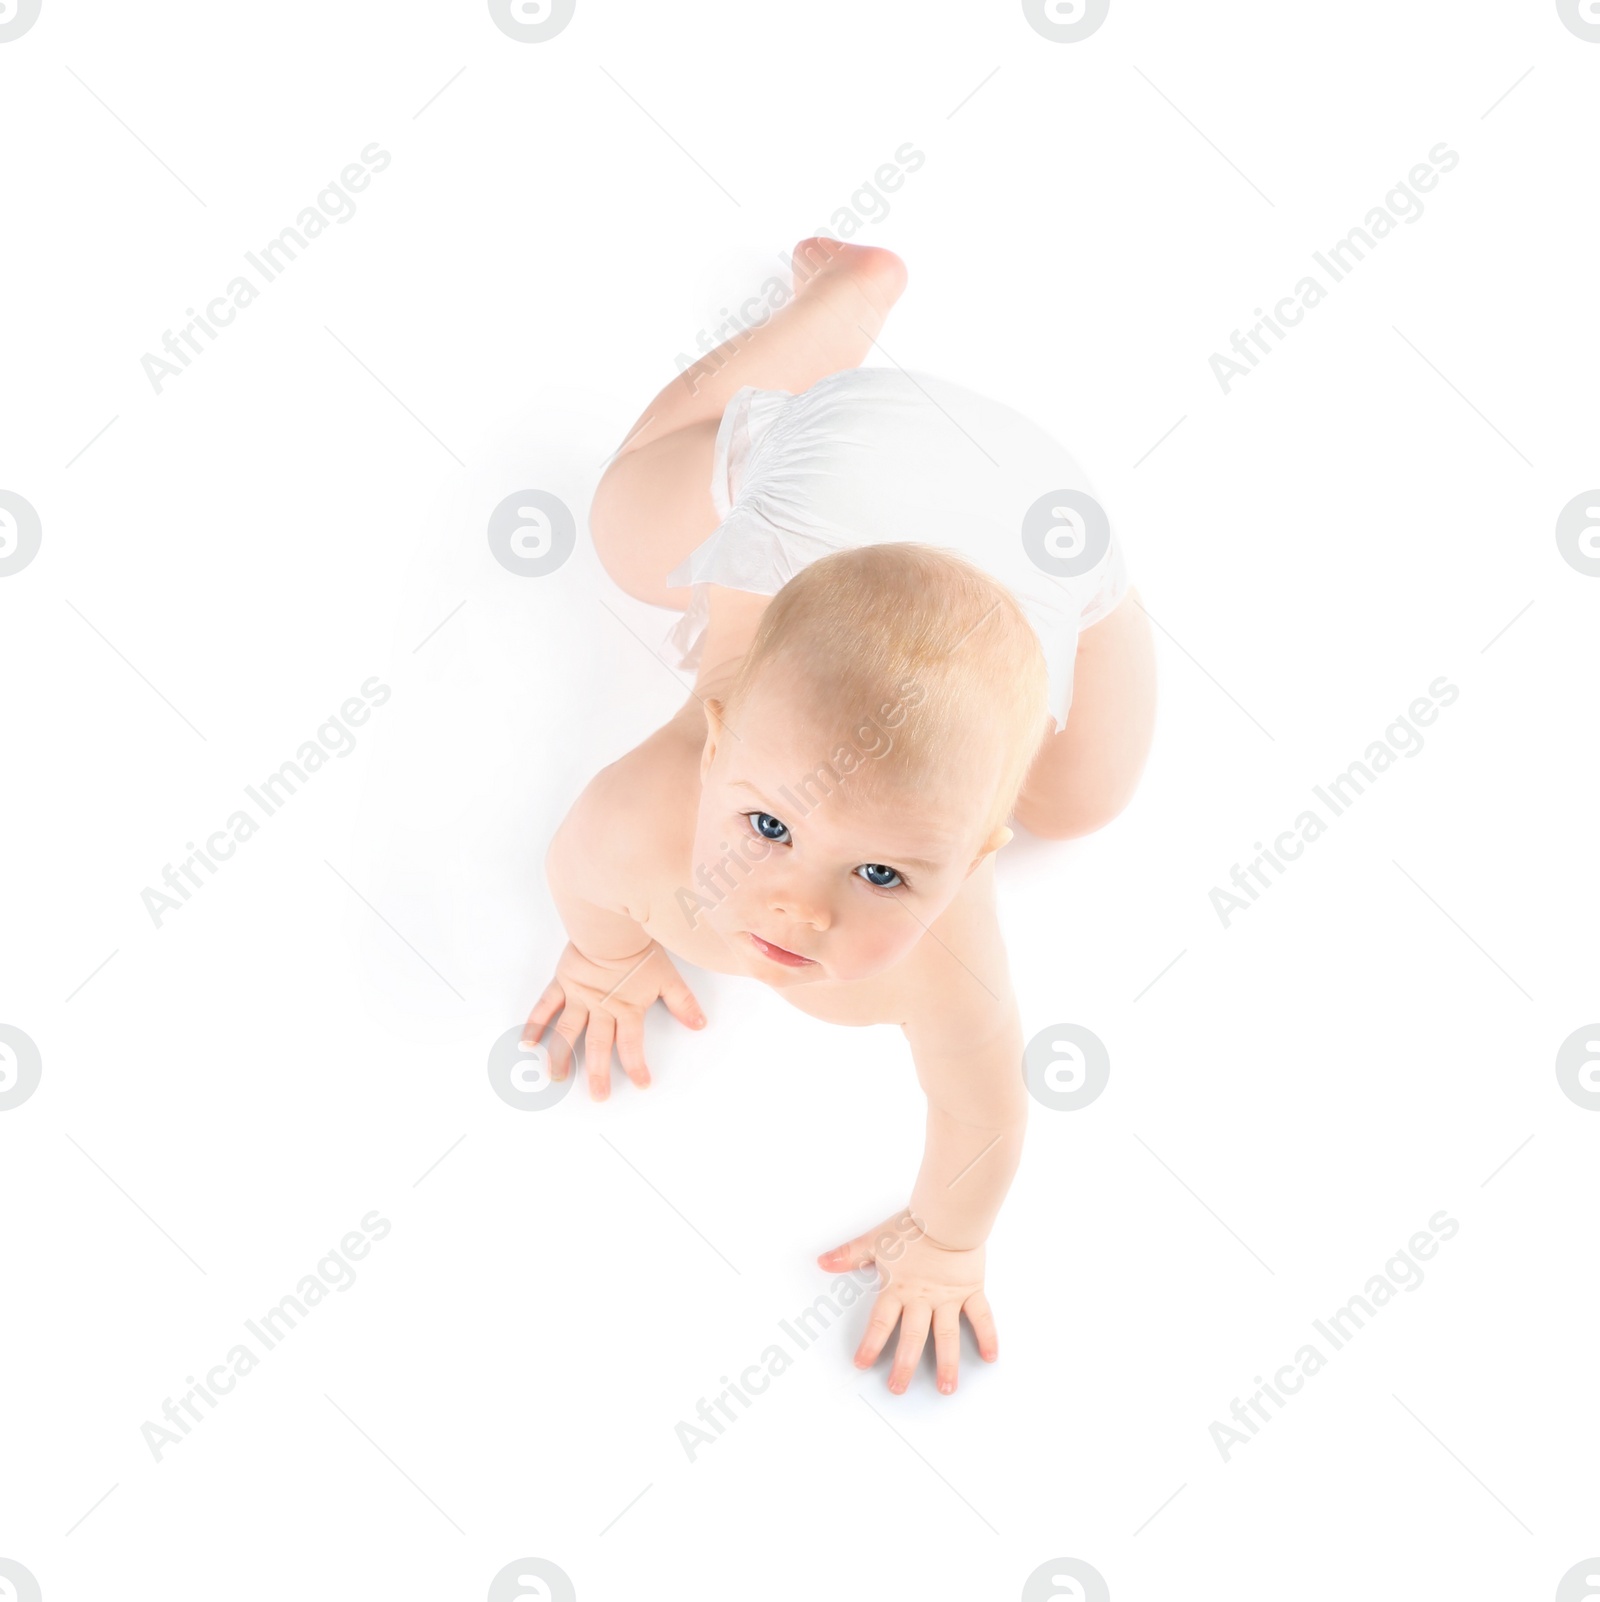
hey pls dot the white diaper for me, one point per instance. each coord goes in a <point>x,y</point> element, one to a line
<point>872,454</point>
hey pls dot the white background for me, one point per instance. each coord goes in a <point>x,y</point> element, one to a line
<point>225,1096</point>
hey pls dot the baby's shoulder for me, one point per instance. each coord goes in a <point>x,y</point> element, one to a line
<point>635,818</point>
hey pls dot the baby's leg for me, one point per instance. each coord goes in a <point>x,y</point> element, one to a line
<point>1086,773</point>
<point>653,504</point>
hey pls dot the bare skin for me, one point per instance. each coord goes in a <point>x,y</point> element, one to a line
<point>703,842</point>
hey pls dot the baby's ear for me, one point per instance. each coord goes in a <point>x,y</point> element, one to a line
<point>714,726</point>
<point>993,843</point>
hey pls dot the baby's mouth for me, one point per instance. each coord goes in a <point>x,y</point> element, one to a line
<point>789,959</point>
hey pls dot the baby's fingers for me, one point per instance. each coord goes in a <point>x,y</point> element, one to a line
<point>544,1009</point>
<point>879,1328</point>
<point>946,1345</point>
<point>567,1032</point>
<point>982,1321</point>
<point>855,1253</point>
<point>913,1337</point>
<point>597,1048</point>
<point>681,1003</point>
<point>558,1054</point>
<point>630,1047</point>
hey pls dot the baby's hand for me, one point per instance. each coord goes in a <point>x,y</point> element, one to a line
<point>922,1284</point>
<point>611,998</point>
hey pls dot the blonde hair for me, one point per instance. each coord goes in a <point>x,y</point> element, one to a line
<point>923,647</point>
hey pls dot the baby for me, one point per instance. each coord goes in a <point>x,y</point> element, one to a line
<point>892,590</point>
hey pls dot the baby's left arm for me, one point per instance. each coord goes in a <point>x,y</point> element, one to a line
<point>977,1111</point>
<point>931,1257</point>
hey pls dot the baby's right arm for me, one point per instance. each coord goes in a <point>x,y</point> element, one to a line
<point>611,970</point>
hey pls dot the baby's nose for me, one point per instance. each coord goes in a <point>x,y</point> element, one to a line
<point>800,905</point>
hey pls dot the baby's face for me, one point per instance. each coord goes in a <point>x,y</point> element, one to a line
<point>788,856</point>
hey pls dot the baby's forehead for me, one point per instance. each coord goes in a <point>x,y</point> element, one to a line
<point>786,713</point>
<point>777,739</point>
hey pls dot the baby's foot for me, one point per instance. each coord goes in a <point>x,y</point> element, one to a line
<point>829,267</point>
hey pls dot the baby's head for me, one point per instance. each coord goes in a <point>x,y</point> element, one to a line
<point>865,758</point>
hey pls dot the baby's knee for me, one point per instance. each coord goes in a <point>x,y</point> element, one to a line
<point>1063,815</point>
<point>611,526</point>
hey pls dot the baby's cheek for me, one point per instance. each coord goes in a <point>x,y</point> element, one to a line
<point>884,942</point>
<point>724,860</point>
<point>711,844</point>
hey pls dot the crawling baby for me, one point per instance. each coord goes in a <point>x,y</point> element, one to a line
<point>892,590</point>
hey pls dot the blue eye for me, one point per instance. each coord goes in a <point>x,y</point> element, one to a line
<point>767,827</point>
<point>893,882</point>
<point>759,822</point>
